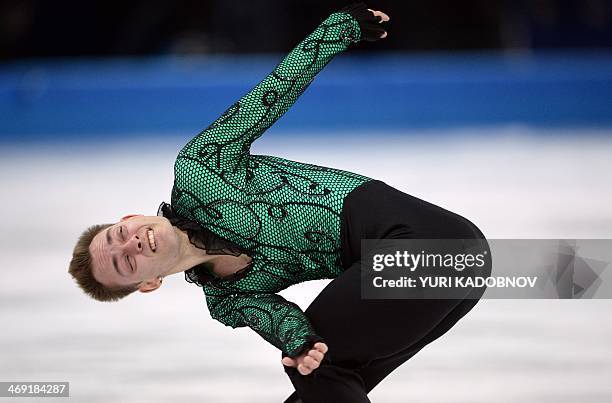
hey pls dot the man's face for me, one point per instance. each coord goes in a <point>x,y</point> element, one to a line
<point>137,249</point>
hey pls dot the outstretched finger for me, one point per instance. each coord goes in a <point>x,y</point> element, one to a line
<point>322,347</point>
<point>383,17</point>
<point>311,363</point>
<point>302,369</point>
<point>316,354</point>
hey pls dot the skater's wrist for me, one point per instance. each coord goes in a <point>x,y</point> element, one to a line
<point>304,347</point>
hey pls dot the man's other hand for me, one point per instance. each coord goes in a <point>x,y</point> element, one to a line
<point>308,361</point>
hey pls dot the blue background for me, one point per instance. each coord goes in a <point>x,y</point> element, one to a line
<point>90,98</point>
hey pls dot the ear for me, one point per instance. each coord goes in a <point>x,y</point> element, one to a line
<point>150,285</point>
<point>127,217</point>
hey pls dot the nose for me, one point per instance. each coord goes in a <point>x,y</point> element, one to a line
<point>133,245</point>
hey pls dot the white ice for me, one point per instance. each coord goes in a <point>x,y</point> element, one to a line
<point>513,182</point>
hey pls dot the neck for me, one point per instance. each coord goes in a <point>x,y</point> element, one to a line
<point>189,254</point>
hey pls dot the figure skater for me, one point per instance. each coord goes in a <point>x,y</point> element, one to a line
<point>245,226</point>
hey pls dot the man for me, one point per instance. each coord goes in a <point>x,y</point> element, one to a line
<point>244,227</point>
<point>252,225</point>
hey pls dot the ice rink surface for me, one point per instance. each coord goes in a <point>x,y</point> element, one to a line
<point>512,182</point>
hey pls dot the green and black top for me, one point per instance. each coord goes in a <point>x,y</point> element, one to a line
<point>284,214</point>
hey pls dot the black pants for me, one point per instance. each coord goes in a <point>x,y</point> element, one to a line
<point>369,338</point>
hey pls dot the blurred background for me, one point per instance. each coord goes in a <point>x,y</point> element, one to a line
<point>500,111</point>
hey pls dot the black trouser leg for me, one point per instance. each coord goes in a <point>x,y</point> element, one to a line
<point>362,333</point>
<point>374,373</point>
<point>354,377</point>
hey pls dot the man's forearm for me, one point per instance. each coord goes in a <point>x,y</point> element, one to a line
<point>233,132</point>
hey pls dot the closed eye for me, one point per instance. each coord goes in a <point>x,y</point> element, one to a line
<point>122,237</point>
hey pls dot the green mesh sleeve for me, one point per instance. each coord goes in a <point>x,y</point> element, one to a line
<point>282,323</point>
<point>223,149</point>
<point>226,142</point>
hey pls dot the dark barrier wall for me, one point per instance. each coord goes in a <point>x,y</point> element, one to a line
<point>88,99</point>
<point>62,28</point>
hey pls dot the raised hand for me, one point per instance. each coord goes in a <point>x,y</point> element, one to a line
<point>370,21</point>
<point>383,18</point>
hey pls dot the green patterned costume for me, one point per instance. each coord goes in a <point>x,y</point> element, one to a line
<point>284,214</point>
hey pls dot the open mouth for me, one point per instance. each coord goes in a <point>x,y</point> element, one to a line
<point>151,237</point>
